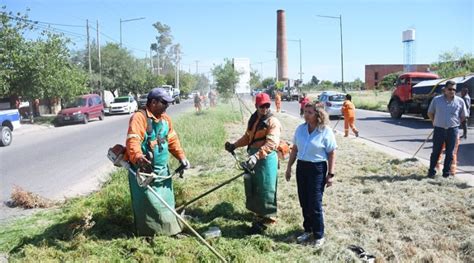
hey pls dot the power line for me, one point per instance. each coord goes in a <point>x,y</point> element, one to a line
<point>38,22</point>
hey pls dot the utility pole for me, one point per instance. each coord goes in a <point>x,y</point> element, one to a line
<point>177,69</point>
<point>342,56</point>
<point>342,52</point>
<point>197,66</point>
<point>89,49</point>
<point>100,61</point>
<point>151,60</point>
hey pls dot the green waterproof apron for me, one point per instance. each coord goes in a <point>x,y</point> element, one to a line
<point>260,188</point>
<point>151,216</point>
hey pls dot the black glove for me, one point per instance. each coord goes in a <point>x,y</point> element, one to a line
<point>230,147</point>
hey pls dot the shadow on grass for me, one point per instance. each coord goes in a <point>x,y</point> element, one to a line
<point>390,178</point>
<point>225,210</point>
<point>415,177</point>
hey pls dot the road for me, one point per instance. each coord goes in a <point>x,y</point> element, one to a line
<point>65,161</point>
<point>405,134</point>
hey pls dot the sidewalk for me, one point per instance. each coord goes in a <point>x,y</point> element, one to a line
<point>465,177</point>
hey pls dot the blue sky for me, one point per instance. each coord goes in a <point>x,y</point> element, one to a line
<point>210,31</point>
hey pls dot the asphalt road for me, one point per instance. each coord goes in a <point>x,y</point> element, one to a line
<point>405,134</point>
<point>65,161</point>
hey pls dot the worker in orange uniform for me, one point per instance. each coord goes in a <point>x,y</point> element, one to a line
<point>348,110</point>
<point>454,163</point>
<point>151,140</point>
<point>278,101</point>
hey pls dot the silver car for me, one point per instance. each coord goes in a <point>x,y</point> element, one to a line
<point>332,101</point>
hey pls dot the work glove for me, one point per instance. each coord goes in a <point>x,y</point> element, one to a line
<point>185,163</point>
<point>230,147</point>
<point>251,162</point>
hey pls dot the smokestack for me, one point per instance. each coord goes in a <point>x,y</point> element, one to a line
<point>282,57</point>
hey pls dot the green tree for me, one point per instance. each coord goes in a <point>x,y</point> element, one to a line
<point>164,39</point>
<point>454,63</point>
<point>314,80</point>
<point>255,79</point>
<point>226,78</point>
<point>36,68</point>
<point>388,80</point>
<point>267,82</point>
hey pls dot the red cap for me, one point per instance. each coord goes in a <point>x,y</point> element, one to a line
<point>262,98</point>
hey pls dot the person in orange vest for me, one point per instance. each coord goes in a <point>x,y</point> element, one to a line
<point>151,141</point>
<point>348,110</point>
<point>454,163</point>
<point>278,101</point>
<point>262,138</point>
<point>197,102</point>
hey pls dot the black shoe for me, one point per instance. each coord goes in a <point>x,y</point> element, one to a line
<point>431,175</point>
<point>445,175</point>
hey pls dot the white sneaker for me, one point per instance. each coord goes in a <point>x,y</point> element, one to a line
<point>305,237</point>
<point>318,242</point>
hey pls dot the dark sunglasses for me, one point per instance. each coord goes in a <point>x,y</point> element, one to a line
<point>452,89</point>
<point>264,106</point>
<point>164,102</point>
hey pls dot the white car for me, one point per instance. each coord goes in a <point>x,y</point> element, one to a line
<point>125,104</point>
<point>332,102</point>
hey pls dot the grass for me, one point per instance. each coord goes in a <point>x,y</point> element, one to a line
<point>384,205</point>
<point>42,120</point>
<point>371,99</point>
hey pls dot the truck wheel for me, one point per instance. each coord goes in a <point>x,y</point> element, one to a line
<point>6,138</point>
<point>177,100</point>
<point>395,109</point>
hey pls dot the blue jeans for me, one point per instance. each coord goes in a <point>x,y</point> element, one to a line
<point>440,136</point>
<point>311,179</point>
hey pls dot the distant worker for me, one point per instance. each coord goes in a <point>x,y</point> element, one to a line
<point>262,138</point>
<point>348,110</point>
<point>303,101</point>
<point>467,100</point>
<point>150,141</point>
<point>278,101</point>
<point>212,98</point>
<point>446,111</point>
<point>197,102</point>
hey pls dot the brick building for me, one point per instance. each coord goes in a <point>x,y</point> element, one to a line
<point>375,73</point>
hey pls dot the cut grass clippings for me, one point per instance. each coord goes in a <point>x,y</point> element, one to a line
<point>385,205</point>
<point>27,200</point>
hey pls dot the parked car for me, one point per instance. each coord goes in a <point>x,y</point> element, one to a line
<point>142,101</point>
<point>125,104</point>
<point>82,109</point>
<point>332,102</point>
<point>9,120</point>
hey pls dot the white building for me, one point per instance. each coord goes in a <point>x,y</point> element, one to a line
<point>242,66</point>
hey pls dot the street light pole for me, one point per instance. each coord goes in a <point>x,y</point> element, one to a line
<point>127,20</point>
<point>342,52</point>
<point>301,65</point>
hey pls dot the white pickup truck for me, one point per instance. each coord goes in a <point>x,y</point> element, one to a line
<point>9,120</point>
<point>173,92</point>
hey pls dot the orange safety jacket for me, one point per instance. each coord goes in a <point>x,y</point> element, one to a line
<point>348,109</point>
<point>136,134</point>
<point>277,98</point>
<point>264,135</point>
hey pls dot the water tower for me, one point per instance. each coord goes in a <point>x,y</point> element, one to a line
<point>408,39</point>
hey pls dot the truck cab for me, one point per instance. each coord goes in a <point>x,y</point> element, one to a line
<point>9,120</point>
<point>402,100</point>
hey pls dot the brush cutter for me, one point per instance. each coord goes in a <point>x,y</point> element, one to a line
<point>337,122</point>
<point>427,138</point>
<point>116,153</point>
<point>242,165</point>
